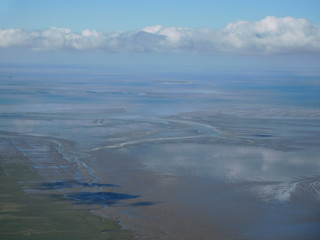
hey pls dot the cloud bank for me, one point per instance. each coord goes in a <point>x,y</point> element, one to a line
<point>270,35</point>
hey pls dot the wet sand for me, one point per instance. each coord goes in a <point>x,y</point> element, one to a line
<point>221,187</point>
<point>203,160</point>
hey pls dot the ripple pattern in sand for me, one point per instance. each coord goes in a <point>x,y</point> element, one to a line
<point>285,191</point>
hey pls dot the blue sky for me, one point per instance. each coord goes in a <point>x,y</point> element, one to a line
<point>112,15</point>
<point>168,31</point>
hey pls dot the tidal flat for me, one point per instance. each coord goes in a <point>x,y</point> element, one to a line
<point>32,209</point>
<point>170,156</point>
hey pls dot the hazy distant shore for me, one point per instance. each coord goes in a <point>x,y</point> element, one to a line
<point>232,156</point>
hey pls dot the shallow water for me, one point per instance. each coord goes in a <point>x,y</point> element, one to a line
<point>182,156</point>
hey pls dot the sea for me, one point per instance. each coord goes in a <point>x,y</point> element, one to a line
<point>173,153</point>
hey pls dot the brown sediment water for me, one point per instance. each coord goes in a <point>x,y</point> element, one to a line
<point>182,202</point>
<point>172,161</point>
<point>182,190</point>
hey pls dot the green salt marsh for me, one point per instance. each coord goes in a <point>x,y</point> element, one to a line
<point>25,216</point>
<point>205,160</point>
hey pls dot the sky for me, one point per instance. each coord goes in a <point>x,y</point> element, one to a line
<point>103,30</point>
<point>114,15</point>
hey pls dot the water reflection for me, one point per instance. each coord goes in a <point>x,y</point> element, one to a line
<point>71,184</point>
<point>209,148</point>
<point>276,172</point>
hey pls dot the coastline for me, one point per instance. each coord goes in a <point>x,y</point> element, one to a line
<point>35,202</point>
<point>174,165</point>
<point>150,187</point>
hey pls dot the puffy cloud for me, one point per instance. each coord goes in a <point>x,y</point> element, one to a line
<point>267,36</point>
<point>49,39</point>
<point>273,34</point>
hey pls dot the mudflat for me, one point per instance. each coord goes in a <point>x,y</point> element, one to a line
<point>33,208</point>
<point>167,159</point>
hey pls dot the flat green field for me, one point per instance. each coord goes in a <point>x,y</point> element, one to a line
<point>25,216</point>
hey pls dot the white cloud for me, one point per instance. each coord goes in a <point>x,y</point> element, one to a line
<point>267,36</point>
<point>273,34</point>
